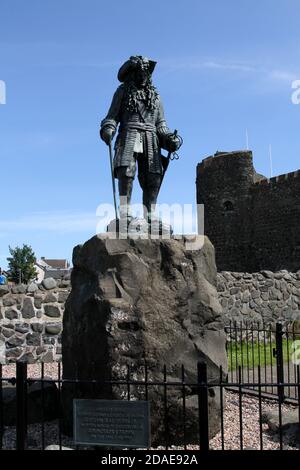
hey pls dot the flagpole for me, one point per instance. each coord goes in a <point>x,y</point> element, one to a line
<point>271,162</point>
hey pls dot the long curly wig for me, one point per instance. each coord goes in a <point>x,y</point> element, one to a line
<point>133,94</point>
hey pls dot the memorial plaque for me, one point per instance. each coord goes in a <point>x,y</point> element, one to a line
<point>111,423</point>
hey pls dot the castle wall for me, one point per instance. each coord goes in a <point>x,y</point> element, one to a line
<point>224,187</point>
<point>276,220</point>
<point>253,222</point>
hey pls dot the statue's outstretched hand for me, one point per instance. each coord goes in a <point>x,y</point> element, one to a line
<point>106,134</point>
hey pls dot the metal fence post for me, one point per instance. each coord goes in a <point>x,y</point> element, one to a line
<point>21,393</point>
<point>279,362</point>
<point>203,407</point>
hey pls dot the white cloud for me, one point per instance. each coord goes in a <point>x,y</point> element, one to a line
<point>228,66</point>
<point>283,75</point>
<point>60,222</point>
<point>197,64</point>
<point>264,74</point>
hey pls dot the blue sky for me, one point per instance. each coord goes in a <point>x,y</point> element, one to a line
<point>223,67</point>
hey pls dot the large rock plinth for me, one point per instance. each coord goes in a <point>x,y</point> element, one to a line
<point>137,301</point>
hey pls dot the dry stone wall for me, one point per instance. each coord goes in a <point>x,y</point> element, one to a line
<point>264,296</point>
<point>31,316</point>
<point>31,321</point>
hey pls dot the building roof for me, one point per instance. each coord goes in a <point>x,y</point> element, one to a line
<point>46,264</point>
<point>42,264</point>
<point>56,263</point>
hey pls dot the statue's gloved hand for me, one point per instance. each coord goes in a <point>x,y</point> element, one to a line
<point>172,142</point>
<point>106,134</point>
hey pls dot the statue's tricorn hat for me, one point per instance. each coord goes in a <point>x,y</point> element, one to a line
<point>133,63</point>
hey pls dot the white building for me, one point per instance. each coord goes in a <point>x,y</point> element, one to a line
<point>56,268</point>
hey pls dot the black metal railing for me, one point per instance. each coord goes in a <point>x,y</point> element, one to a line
<point>272,348</point>
<point>202,388</point>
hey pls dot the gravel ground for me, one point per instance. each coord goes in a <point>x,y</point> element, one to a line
<point>250,420</point>
<point>33,370</point>
<point>251,428</point>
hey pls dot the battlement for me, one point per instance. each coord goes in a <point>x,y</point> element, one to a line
<point>220,155</point>
<point>279,178</point>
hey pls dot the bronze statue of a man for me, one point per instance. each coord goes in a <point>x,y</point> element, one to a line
<point>137,109</point>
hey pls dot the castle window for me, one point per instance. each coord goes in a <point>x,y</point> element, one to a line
<point>228,206</point>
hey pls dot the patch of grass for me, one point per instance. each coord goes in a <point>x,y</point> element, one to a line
<point>257,353</point>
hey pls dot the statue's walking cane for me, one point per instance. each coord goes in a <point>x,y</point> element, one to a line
<point>113,179</point>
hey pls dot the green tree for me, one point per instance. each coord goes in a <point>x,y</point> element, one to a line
<point>21,264</point>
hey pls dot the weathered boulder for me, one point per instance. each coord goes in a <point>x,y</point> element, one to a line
<point>53,328</point>
<point>288,418</point>
<point>49,283</point>
<point>52,311</point>
<point>3,290</point>
<point>33,287</point>
<point>42,402</point>
<point>290,426</point>
<point>28,309</point>
<point>19,289</point>
<point>8,301</point>
<point>145,300</point>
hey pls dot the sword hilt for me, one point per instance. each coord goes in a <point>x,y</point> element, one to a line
<point>170,153</point>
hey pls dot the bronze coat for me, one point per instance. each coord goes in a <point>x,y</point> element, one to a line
<point>151,123</point>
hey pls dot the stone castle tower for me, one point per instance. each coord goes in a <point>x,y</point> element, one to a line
<point>253,222</point>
